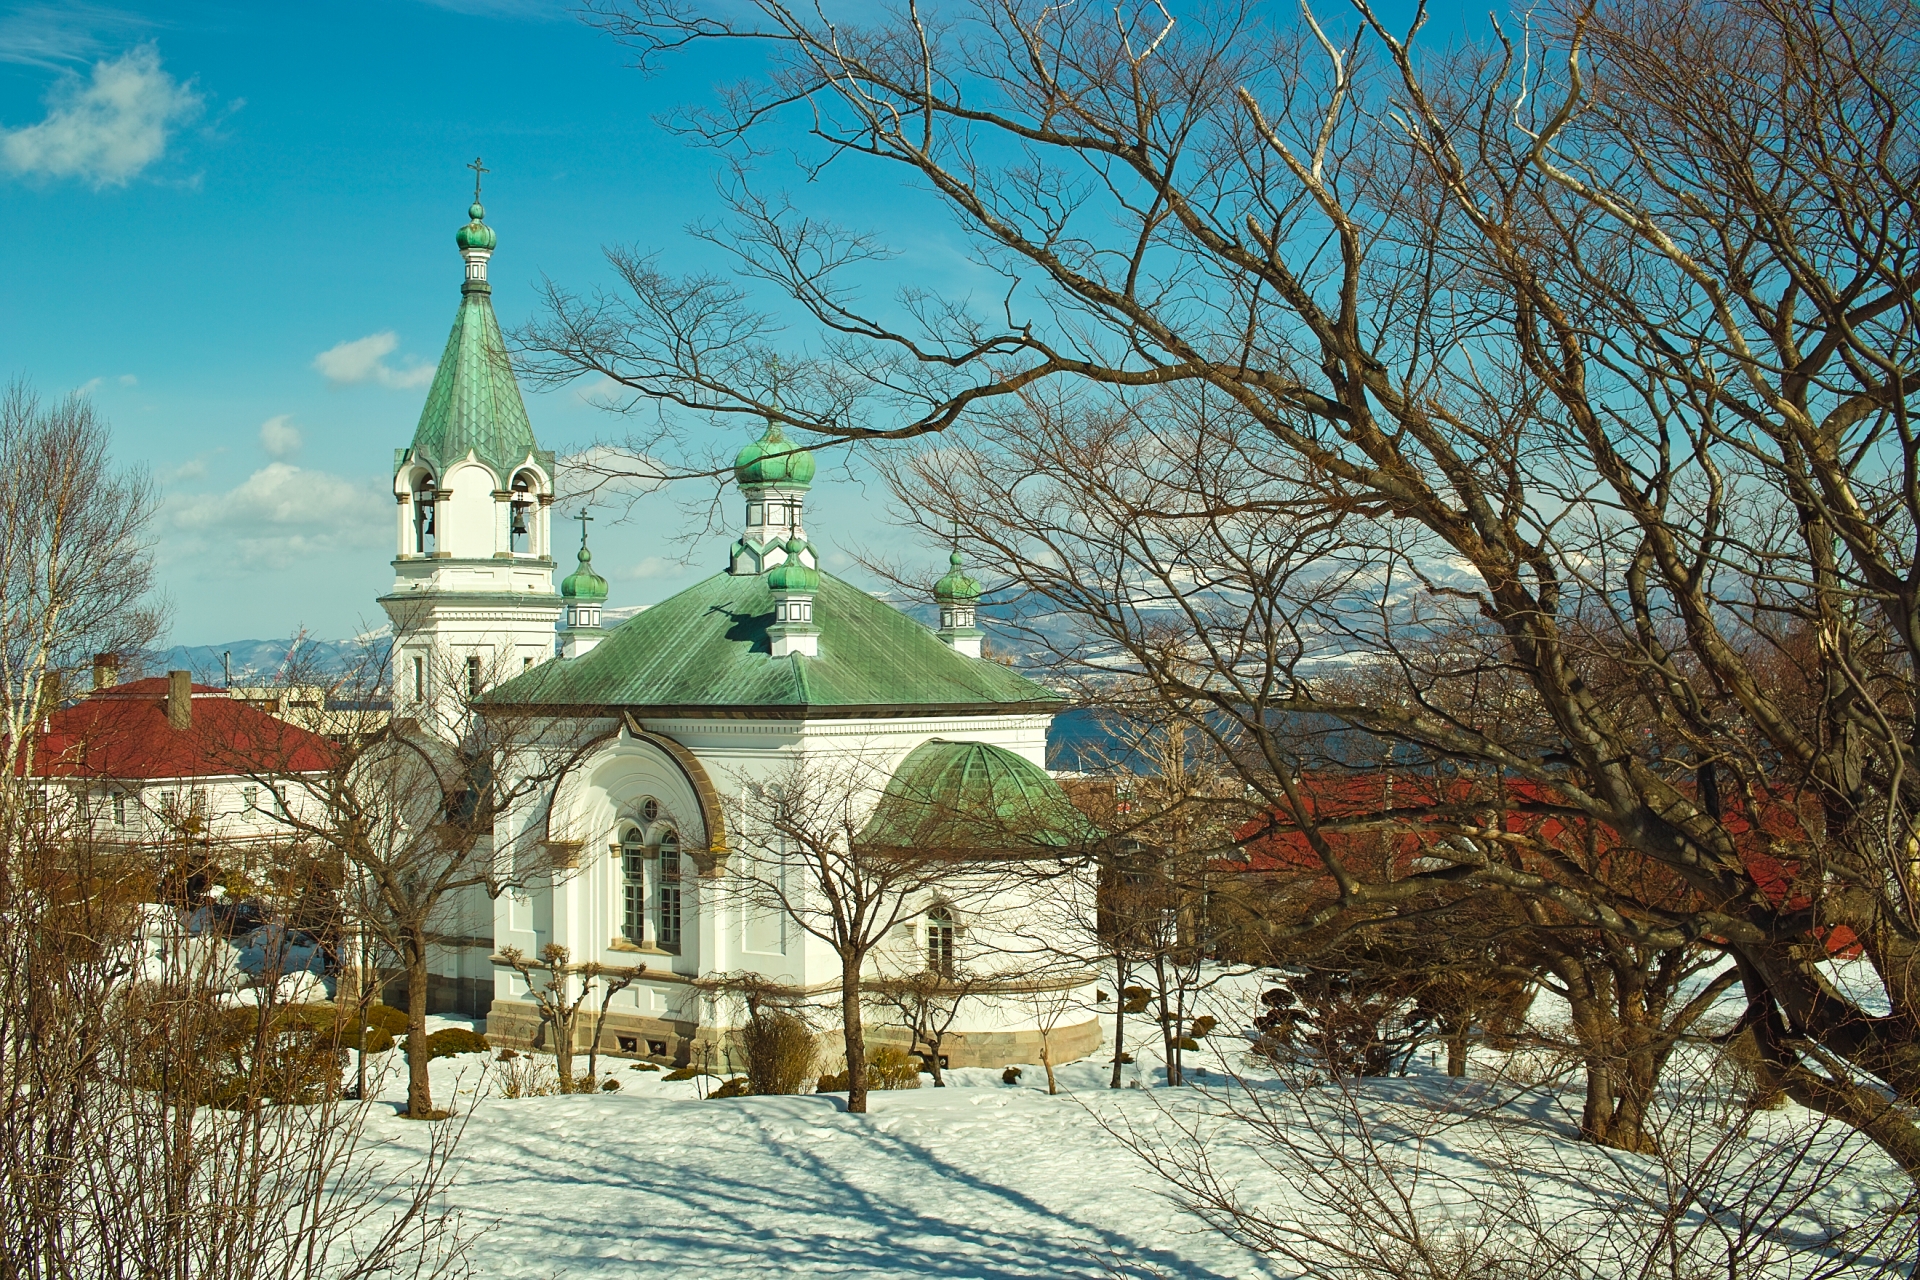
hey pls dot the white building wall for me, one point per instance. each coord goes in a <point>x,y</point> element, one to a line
<point>581,907</point>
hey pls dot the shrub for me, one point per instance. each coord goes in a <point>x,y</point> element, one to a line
<point>638,1066</point>
<point>781,1052</point>
<point>1202,1027</point>
<point>236,1060</point>
<point>610,1085</point>
<point>1010,1076</point>
<point>529,1077</point>
<point>836,1083</point>
<point>891,1068</point>
<point>389,1019</point>
<point>450,1041</point>
<point>738,1087</point>
<point>687,1072</point>
<point>505,1055</point>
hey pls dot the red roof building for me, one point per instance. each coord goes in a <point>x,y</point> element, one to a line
<point>164,754</point>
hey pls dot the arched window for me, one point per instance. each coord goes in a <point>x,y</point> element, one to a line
<point>669,930</point>
<point>633,876</point>
<point>940,941</point>
<point>424,496</point>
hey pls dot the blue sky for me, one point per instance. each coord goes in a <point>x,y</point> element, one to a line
<point>233,225</point>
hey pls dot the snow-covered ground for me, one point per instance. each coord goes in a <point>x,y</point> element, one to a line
<point>981,1179</point>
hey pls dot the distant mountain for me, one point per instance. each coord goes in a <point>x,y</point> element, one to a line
<point>261,661</point>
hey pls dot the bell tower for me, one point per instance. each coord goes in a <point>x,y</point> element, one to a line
<point>472,602</point>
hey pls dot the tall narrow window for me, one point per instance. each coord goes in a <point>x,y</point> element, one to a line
<point>633,875</point>
<point>669,933</point>
<point>419,678</point>
<point>940,941</point>
<point>119,808</point>
<point>473,676</point>
<point>252,797</point>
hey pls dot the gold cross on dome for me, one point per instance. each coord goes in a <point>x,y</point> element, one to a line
<point>478,169</point>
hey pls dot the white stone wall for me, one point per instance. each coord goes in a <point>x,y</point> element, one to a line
<point>1002,925</point>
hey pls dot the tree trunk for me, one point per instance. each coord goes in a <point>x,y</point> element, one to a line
<point>1119,1019</point>
<point>419,1091</point>
<point>1046,1060</point>
<point>852,1032</point>
<point>563,1048</point>
<point>1457,1050</point>
<point>933,1061</point>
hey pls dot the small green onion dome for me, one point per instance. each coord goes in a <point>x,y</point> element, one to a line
<point>773,459</point>
<point>476,234</point>
<point>583,583</point>
<point>956,587</point>
<point>790,574</point>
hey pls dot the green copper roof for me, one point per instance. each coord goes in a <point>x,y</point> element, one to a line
<point>792,574</point>
<point>956,587</point>
<point>973,796</point>
<point>476,234</point>
<point>773,459</point>
<point>583,583</point>
<point>474,403</point>
<point>706,650</point>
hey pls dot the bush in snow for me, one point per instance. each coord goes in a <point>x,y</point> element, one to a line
<point>781,1052</point>
<point>450,1041</point>
<point>892,1068</point>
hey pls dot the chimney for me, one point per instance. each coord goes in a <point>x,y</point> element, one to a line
<point>106,670</point>
<point>180,699</point>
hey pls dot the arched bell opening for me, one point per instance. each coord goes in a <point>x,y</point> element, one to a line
<point>426,501</point>
<point>525,492</point>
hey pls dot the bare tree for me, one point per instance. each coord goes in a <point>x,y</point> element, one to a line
<point>550,985</point>
<point>149,1125</point>
<point>804,847</point>
<point>76,559</point>
<point>1315,343</point>
<point>928,1003</point>
<point>407,812</point>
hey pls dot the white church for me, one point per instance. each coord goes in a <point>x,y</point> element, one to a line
<point>768,666</point>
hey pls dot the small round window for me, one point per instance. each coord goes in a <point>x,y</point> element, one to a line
<point>650,809</point>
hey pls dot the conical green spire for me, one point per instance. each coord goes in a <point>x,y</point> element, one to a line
<point>474,404</point>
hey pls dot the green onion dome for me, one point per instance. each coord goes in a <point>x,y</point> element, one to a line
<point>583,583</point>
<point>773,459</point>
<point>790,574</point>
<point>476,234</point>
<point>956,587</point>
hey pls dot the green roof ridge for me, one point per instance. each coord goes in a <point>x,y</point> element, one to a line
<point>707,648</point>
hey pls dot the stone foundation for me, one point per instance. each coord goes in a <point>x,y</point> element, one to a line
<point>515,1024</point>
<point>468,996</point>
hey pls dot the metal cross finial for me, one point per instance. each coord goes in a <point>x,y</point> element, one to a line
<point>583,517</point>
<point>478,169</point>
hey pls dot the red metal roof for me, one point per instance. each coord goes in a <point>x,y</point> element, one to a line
<point>122,732</point>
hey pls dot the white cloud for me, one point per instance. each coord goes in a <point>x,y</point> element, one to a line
<point>365,360</point>
<point>54,35</point>
<point>193,470</point>
<point>92,385</point>
<point>106,129</point>
<point>279,437</point>
<point>280,517</point>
